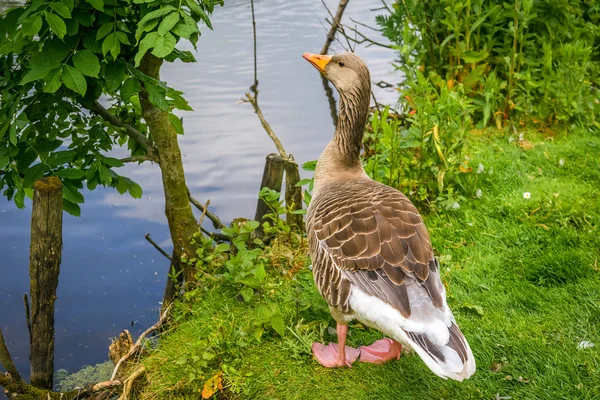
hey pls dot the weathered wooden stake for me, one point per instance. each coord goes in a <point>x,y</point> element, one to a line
<point>293,195</point>
<point>272,178</point>
<point>44,267</point>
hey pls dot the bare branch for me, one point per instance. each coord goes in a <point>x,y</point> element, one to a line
<point>137,159</point>
<point>335,24</point>
<point>365,25</point>
<point>138,343</point>
<point>365,39</point>
<point>128,383</point>
<point>129,130</point>
<point>204,210</point>
<point>7,361</point>
<point>265,124</point>
<point>157,247</point>
<point>254,87</point>
<point>215,220</point>
<point>216,235</point>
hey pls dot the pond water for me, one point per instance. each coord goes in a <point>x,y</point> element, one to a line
<point>110,276</point>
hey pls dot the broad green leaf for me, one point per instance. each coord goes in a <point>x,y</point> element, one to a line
<point>134,189</point>
<point>90,43</point>
<point>474,56</point>
<point>56,24</point>
<point>74,80</point>
<point>12,136</point>
<point>278,324</point>
<point>20,199</point>
<point>4,160</point>
<point>35,74</point>
<point>105,29</point>
<point>32,25</point>
<point>121,185</point>
<point>71,207</point>
<point>33,174</point>
<point>157,96</point>
<point>115,73</point>
<point>69,4</point>
<point>130,87</point>
<point>197,9</point>
<point>146,44</point>
<point>61,9</point>
<point>123,38</point>
<point>71,193</point>
<point>60,157</point>
<point>87,63</point>
<point>164,45</point>
<point>111,44</point>
<point>123,26</point>
<point>97,4</point>
<point>247,293</point>
<point>113,162</point>
<point>184,56</point>
<point>186,28</point>
<point>157,13</point>
<point>146,27</point>
<point>72,26</point>
<point>53,80</point>
<point>168,23</point>
<point>70,173</point>
<point>105,175</point>
<point>176,123</point>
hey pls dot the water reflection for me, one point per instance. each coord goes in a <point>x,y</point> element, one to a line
<point>110,276</point>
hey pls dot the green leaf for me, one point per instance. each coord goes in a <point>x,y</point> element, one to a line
<point>90,42</point>
<point>113,162</point>
<point>4,160</point>
<point>247,293</point>
<point>35,74</point>
<point>32,25</point>
<point>168,23</point>
<point>105,30</point>
<point>146,27</point>
<point>60,9</point>
<point>121,185</point>
<point>146,44</point>
<point>61,157</point>
<point>97,4</point>
<point>115,73</point>
<point>176,123</point>
<point>70,173</point>
<point>74,80</point>
<point>157,13</point>
<point>474,56</point>
<point>134,189</point>
<point>105,175</point>
<point>87,63</point>
<point>123,26</point>
<point>184,56</point>
<point>130,87</point>
<point>164,45</point>
<point>122,38</point>
<point>71,193</point>
<point>111,44</point>
<point>186,28</point>
<point>157,96</point>
<point>56,24</point>
<point>69,4</point>
<point>12,136</point>
<point>197,9</point>
<point>71,207</point>
<point>72,26</point>
<point>20,198</point>
<point>33,174</point>
<point>53,80</point>
<point>278,324</point>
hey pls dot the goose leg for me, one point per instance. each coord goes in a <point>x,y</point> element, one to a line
<point>381,351</point>
<point>333,355</point>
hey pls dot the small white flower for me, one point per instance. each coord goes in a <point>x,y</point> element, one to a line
<point>526,195</point>
<point>478,193</point>
<point>561,162</point>
<point>455,206</point>
<point>521,137</point>
<point>480,169</point>
<point>511,139</point>
<point>584,344</point>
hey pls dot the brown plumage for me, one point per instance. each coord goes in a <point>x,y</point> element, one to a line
<point>371,252</point>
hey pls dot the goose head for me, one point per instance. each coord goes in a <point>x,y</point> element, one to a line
<point>346,71</point>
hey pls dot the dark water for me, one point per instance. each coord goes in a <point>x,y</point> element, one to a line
<point>110,275</point>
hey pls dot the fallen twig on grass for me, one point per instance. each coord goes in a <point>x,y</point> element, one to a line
<point>128,383</point>
<point>138,343</point>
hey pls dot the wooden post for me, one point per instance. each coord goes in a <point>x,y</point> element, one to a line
<point>272,178</point>
<point>44,267</point>
<point>293,195</point>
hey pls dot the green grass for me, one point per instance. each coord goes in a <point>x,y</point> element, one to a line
<point>523,280</point>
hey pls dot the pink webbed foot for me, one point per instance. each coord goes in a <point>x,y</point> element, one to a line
<point>381,351</point>
<point>328,356</point>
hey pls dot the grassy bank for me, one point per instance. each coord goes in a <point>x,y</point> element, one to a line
<point>521,265</point>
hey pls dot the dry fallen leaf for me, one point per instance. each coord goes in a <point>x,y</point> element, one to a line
<point>496,366</point>
<point>213,385</point>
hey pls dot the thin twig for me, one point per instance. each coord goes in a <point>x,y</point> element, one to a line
<point>335,24</point>
<point>265,124</point>
<point>364,39</point>
<point>129,130</point>
<point>376,103</point>
<point>365,25</point>
<point>215,220</point>
<point>7,362</point>
<point>205,208</point>
<point>138,343</point>
<point>128,383</point>
<point>27,315</point>
<point>254,87</point>
<point>137,159</point>
<point>157,247</point>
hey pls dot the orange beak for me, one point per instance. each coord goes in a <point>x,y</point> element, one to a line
<point>317,60</point>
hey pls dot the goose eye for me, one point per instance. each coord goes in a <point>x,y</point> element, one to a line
<point>341,64</point>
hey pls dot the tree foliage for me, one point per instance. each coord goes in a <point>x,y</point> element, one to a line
<point>58,58</point>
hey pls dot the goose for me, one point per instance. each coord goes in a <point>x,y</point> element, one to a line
<point>371,253</point>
